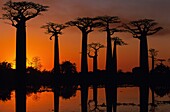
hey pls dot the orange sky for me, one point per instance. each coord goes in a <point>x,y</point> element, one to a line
<point>61,11</point>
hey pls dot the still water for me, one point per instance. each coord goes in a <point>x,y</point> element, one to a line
<point>128,101</point>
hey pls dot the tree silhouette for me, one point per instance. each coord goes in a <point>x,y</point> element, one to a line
<point>85,25</point>
<point>68,68</point>
<point>55,30</point>
<point>19,13</point>
<point>117,41</point>
<point>140,29</point>
<point>36,62</point>
<point>106,23</point>
<point>153,53</point>
<point>120,42</point>
<point>5,65</point>
<point>93,49</point>
<point>161,61</point>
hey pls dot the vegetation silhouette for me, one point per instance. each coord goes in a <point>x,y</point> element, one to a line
<point>68,68</point>
<point>19,13</point>
<point>140,29</point>
<point>36,63</point>
<point>93,49</point>
<point>41,81</point>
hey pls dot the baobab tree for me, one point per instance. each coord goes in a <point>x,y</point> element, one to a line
<point>93,49</point>
<point>117,41</point>
<point>141,29</point>
<point>120,42</point>
<point>86,25</point>
<point>153,53</point>
<point>19,13</point>
<point>55,30</point>
<point>108,25</point>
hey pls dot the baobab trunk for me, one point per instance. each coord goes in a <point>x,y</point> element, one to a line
<point>108,53</point>
<point>109,83</point>
<point>95,73</point>
<point>56,57</point>
<point>84,70</point>
<point>56,74</point>
<point>144,56</point>
<point>153,62</point>
<point>21,67</point>
<point>115,77</point>
<point>95,62</point>
<point>144,89</point>
<point>84,67</point>
<point>114,59</point>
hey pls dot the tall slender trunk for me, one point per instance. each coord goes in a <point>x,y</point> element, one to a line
<point>56,74</point>
<point>114,62</point>
<point>152,88</point>
<point>114,58</point>
<point>95,62</point>
<point>153,62</point>
<point>84,67</point>
<point>95,85</point>
<point>108,53</point>
<point>109,83</point>
<point>144,88</point>
<point>144,55</point>
<point>56,56</point>
<point>20,93</point>
<point>84,71</point>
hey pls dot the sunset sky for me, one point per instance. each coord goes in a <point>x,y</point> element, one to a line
<point>61,11</point>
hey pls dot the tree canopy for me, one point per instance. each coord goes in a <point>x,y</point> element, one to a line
<point>54,29</point>
<point>142,27</point>
<point>21,11</point>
